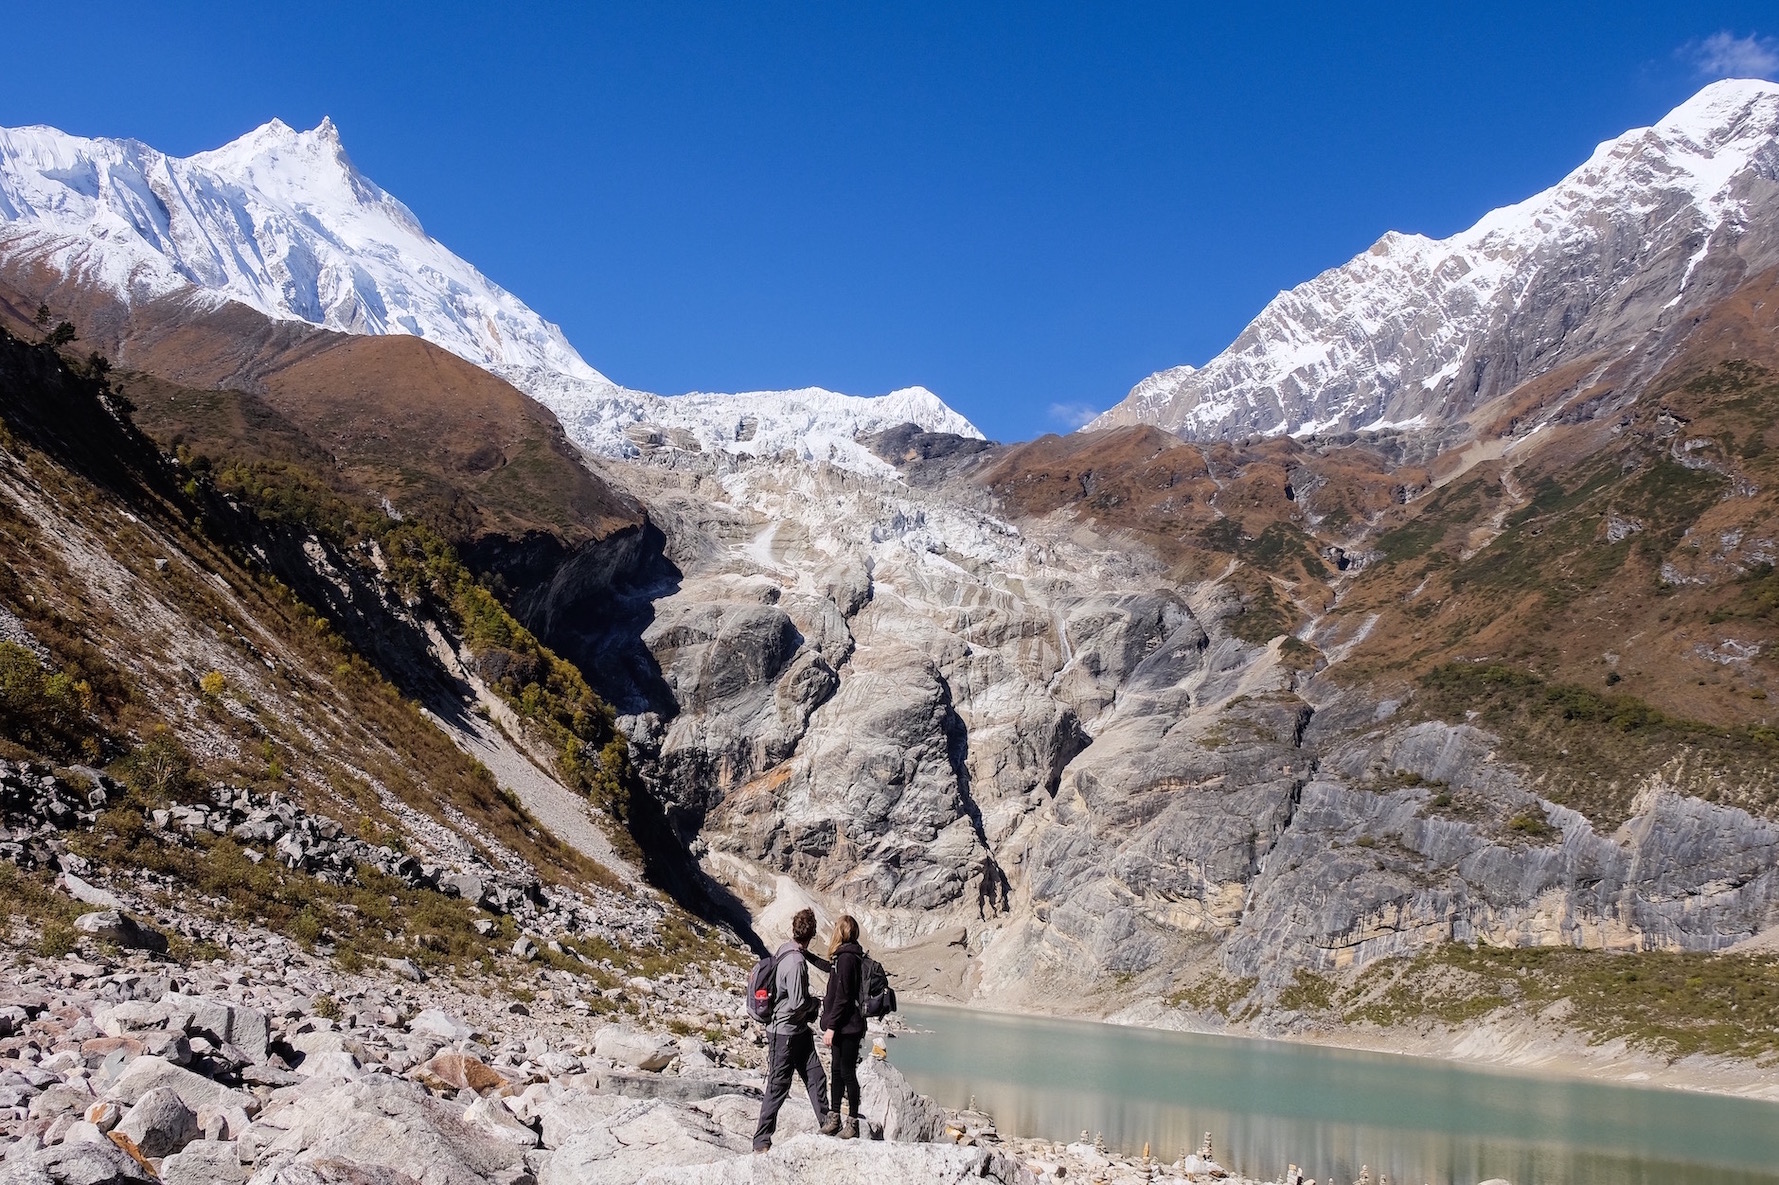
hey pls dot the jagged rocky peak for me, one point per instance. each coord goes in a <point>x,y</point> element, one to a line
<point>1418,332</point>
<point>282,221</point>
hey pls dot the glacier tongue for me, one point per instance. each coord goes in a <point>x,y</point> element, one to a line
<point>283,222</point>
<point>811,424</point>
<point>1418,330</point>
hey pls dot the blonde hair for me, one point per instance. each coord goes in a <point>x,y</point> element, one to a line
<point>845,930</point>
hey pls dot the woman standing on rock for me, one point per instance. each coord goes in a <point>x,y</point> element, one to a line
<point>843,1026</point>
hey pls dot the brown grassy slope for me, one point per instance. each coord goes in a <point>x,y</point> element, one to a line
<point>1632,549</point>
<point>1272,518</point>
<point>1626,539</point>
<point>87,508</point>
<point>397,415</point>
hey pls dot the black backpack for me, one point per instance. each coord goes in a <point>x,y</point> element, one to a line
<point>876,996</point>
<point>762,989</point>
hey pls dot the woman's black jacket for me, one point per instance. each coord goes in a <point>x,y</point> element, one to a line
<point>840,1004</point>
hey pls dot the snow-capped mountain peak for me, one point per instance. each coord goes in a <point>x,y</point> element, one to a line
<point>282,221</point>
<point>303,170</point>
<point>1421,331</point>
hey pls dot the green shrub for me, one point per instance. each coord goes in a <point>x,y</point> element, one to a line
<point>160,769</point>
<point>56,939</point>
<point>42,708</point>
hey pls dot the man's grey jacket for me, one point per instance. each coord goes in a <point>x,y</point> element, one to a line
<point>795,1009</point>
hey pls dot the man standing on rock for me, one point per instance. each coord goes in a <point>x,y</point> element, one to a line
<point>790,1042</point>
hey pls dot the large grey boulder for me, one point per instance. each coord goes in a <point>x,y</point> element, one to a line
<point>638,1137</point>
<point>226,1023</point>
<point>631,1047</point>
<point>205,1162</point>
<point>561,1113</point>
<point>160,1123</point>
<point>89,894</point>
<point>120,929</point>
<point>818,1160</point>
<point>75,1163</point>
<point>393,1124</point>
<point>493,1117</point>
<point>435,1022</point>
<point>148,1073</point>
<point>738,1115</point>
<point>889,1104</point>
<point>61,1098</point>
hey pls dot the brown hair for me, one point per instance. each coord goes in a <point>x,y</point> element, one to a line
<point>845,930</point>
<point>803,926</point>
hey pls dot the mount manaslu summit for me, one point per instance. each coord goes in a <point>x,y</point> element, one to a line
<point>1433,622</point>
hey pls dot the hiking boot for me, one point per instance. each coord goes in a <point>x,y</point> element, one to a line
<point>831,1125</point>
<point>849,1130</point>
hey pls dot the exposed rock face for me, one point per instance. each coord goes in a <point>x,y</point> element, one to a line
<point>1657,224</point>
<point>1026,761</point>
<point>855,681</point>
<point>1682,874</point>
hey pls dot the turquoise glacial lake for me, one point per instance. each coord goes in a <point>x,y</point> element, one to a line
<point>1268,1104</point>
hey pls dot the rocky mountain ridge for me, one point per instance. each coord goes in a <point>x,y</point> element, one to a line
<point>1421,334</point>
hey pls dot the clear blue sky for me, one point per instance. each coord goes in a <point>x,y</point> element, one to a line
<point>1026,207</point>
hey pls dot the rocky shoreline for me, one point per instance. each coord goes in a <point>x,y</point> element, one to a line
<point>278,1069</point>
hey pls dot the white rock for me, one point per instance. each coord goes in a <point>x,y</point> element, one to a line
<point>318,1042</point>
<point>393,1124</point>
<point>233,1120</point>
<point>492,1116</point>
<point>147,1073</point>
<point>160,1123</point>
<point>79,1163</point>
<point>91,894</point>
<point>434,1022</point>
<point>631,1047</point>
<point>206,1162</point>
<point>221,1020</point>
<point>818,1160</point>
<point>646,1135</point>
<point>334,1066</point>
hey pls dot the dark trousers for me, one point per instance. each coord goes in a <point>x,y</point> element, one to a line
<point>790,1054</point>
<point>843,1085</point>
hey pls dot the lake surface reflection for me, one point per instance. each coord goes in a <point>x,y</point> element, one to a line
<point>1272,1103</point>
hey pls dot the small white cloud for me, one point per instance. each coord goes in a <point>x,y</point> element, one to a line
<point>1722,55</point>
<point>1073,415</point>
